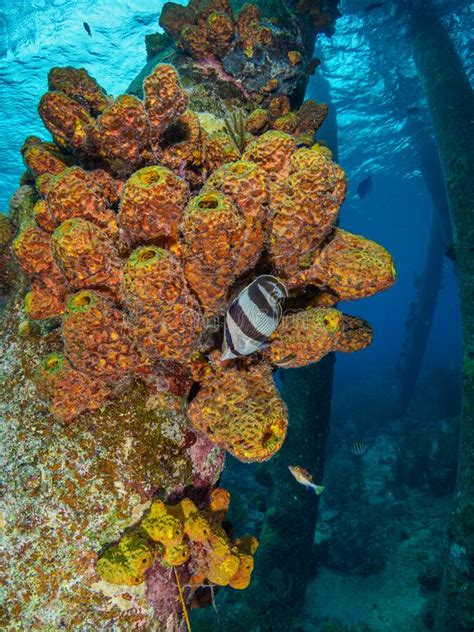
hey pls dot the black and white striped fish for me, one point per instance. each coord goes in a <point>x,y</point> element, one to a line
<point>253,317</point>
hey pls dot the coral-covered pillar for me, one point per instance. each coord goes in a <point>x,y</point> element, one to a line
<point>307,392</point>
<point>451,102</point>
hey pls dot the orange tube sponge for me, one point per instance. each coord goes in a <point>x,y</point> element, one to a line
<point>305,337</point>
<point>43,217</point>
<point>86,256</point>
<point>219,501</point>
<point>356,334</point>
<point>108,186</point>
<point>41,157</point>
<point>122,133</point>
<point>239,409</point>
<point>174,17</point>
<point>168,318</point>
<point>287,123</point>
<point>152,205</point>
<point>257,121</point>
<point>220,32</point>
<point>97,339</point>
<point>41,303</point>
<point>213,232</point>
<point>248,25</point>
<point>164,100</point>
<point>68,122</point>
<point>43,182</point>
<point>219,150</point>
<point>68,391</point>
<point>351,266</point>
<point>32,248</point>
<point>241,579</point>
<point>279,106</point>
<point>204,8</point>
<point>304,206</point>
<point>323,149</point>
<point>311,116</point>
<point>75,194</point>
<point>193,39</point>
<point>77,84</point>
<point>189,150</point>
<point>247,186</point>
<point>272,151</point>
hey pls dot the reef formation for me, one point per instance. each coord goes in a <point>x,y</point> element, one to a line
<point>139,265</point>
<point>134,230</point>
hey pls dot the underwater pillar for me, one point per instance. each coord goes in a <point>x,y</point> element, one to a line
<point>420,317</point>
<point>308,394</point>
<point>451,102</point>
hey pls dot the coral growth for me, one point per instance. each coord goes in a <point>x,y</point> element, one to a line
<point>68,392</point>
<point>257,55</point>
<point>80,86</point>
<point>86,256</point>
<point>307,336</point>
<point>167,318</point>
<point>302,123</point>
<point>240,410</point>
<point>351,266</point>
<point>97,340</point>
<point>153,260</point>
<point>306,205</point>
<point>127,561</point>
<point>213,236</point>
<point>185,536</point>
<point>41,158</point>
<point>79,193</point>
<point>152,205</point>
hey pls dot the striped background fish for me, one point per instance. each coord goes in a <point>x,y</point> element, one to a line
<point>253,317</point>
<point>358,447</point>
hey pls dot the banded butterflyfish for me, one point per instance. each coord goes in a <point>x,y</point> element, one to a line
<point>253,316</point>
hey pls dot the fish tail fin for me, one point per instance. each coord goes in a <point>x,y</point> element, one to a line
<point>318,489</point>
<point>227,354</point>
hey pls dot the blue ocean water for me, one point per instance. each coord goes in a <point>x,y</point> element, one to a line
<point>374,92</point>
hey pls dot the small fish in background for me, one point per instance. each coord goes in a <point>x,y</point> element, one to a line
<point>87,28</point>
<point>253,316</point>
<point>358,448</point>
<point>373,5</point>
<point>304,478</point>
<point>364,188</point>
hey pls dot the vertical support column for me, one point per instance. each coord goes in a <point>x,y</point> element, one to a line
<point>451,102</point>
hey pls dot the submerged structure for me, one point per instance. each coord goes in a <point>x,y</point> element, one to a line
<point>132,232</point>
<point>451,102</point>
